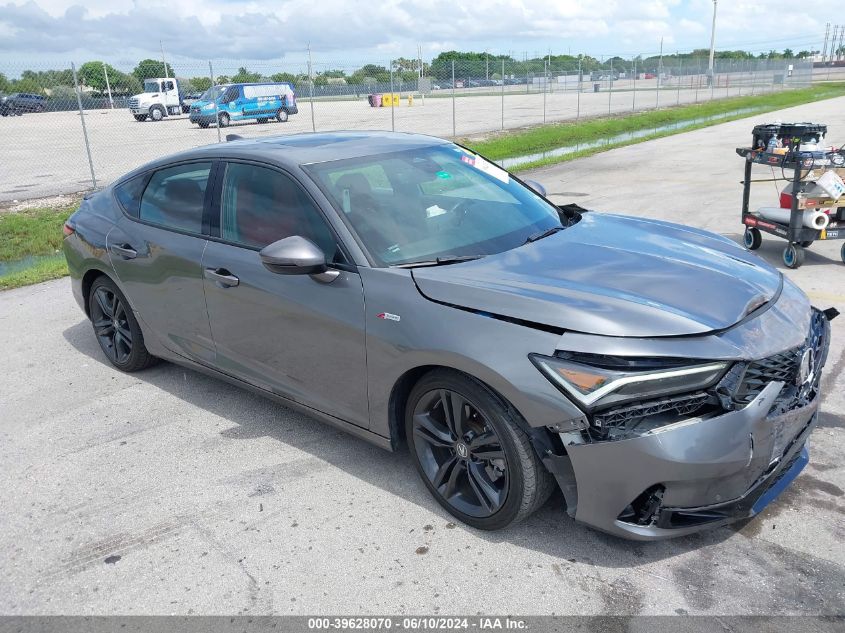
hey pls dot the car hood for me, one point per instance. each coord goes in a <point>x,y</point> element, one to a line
<point>614,276</point>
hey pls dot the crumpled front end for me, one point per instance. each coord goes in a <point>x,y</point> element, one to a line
<point>726,452</point>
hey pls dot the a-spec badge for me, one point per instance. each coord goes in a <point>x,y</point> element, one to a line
<point>389,317</point>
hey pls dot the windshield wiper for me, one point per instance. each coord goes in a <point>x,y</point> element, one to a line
<point>542,234</point>
<point>440,261</point>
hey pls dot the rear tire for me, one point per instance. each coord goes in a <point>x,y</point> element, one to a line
<point>476,460</point>
<point>116,327</point>
<point>261,120</point>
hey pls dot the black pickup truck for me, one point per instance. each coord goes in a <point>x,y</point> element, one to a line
<point>21,102</point>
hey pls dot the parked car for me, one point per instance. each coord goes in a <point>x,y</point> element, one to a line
<point>241,102</point>
<point>190,99</point>
<point>406,290</point>
<point>19,103</point>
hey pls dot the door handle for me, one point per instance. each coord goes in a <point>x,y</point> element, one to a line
<point>222,277</point>
<point>125,251</point>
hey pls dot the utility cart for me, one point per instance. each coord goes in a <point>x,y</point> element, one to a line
<point>812,205</point>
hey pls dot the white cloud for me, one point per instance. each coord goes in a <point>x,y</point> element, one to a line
<point>351,30</point>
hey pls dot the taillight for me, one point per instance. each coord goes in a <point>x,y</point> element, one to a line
<point>67,229</point>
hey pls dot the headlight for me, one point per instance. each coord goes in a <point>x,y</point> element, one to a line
<point>596,381</point>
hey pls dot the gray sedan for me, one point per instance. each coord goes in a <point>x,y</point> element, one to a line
<point>412,293</point>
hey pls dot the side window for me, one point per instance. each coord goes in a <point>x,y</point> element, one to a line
<point>128,194</point>
<point>168,85</point>
<point>261,205</point>
<point>231,95</point>
<point>175,197</point>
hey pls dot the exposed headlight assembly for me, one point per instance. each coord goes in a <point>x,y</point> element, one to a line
<point>596,381</point>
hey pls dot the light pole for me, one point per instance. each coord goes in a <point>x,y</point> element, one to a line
<point>108,86</point>
<point>163,60</point>
<point>712,43</point>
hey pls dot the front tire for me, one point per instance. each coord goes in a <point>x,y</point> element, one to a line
<point>116,327</point>
<point>472,453</point>
<point>223,120</point>
<point>156,113</point>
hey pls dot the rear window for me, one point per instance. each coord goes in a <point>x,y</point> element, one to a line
<point>175,197</point>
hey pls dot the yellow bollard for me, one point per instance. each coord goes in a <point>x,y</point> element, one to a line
<point>410,100</point>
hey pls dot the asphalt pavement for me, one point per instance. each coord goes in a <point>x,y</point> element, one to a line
<point>168,492</point>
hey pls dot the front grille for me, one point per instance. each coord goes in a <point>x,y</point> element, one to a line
<point>782,367</point>
<point>195,110</point>
<point>785,367</point>
<point>133,103</point>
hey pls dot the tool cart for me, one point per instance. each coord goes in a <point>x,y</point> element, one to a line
<point>812,205</point>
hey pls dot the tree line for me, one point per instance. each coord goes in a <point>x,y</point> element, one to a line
<point>100,76</point>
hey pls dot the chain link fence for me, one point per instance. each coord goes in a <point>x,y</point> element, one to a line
<point>69,128</point>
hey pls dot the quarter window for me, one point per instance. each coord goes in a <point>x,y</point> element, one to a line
<point>261,206</point>
<point>129,194</point>
<point>175,197</point>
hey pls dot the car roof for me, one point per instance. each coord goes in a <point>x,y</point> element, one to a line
<point>302,149</point>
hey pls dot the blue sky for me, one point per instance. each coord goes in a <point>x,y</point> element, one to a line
<point>344,33</point>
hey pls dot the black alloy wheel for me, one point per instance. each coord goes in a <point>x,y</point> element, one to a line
<point>472,452</point>
<point>116,328</point>
<point>111,325</point>
<point>460,453</point>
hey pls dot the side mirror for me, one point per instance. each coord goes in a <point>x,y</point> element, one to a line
<point>293,255</point>
<point>536,187</point>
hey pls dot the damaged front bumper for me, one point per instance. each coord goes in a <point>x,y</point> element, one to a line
<point>696,474</point>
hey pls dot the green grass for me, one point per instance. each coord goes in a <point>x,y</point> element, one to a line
<point>549,137</point>
<point>45,269</point>
<point>33,233</point>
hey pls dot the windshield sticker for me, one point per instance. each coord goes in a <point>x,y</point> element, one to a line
<point>487,167</point>
<point>444,174</point>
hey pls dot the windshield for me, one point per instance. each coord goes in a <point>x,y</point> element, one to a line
<point>213,93</point>
<point>441,201</point>
<point>151,86</point>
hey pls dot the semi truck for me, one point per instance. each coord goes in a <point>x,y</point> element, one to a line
<point>162,97</point>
